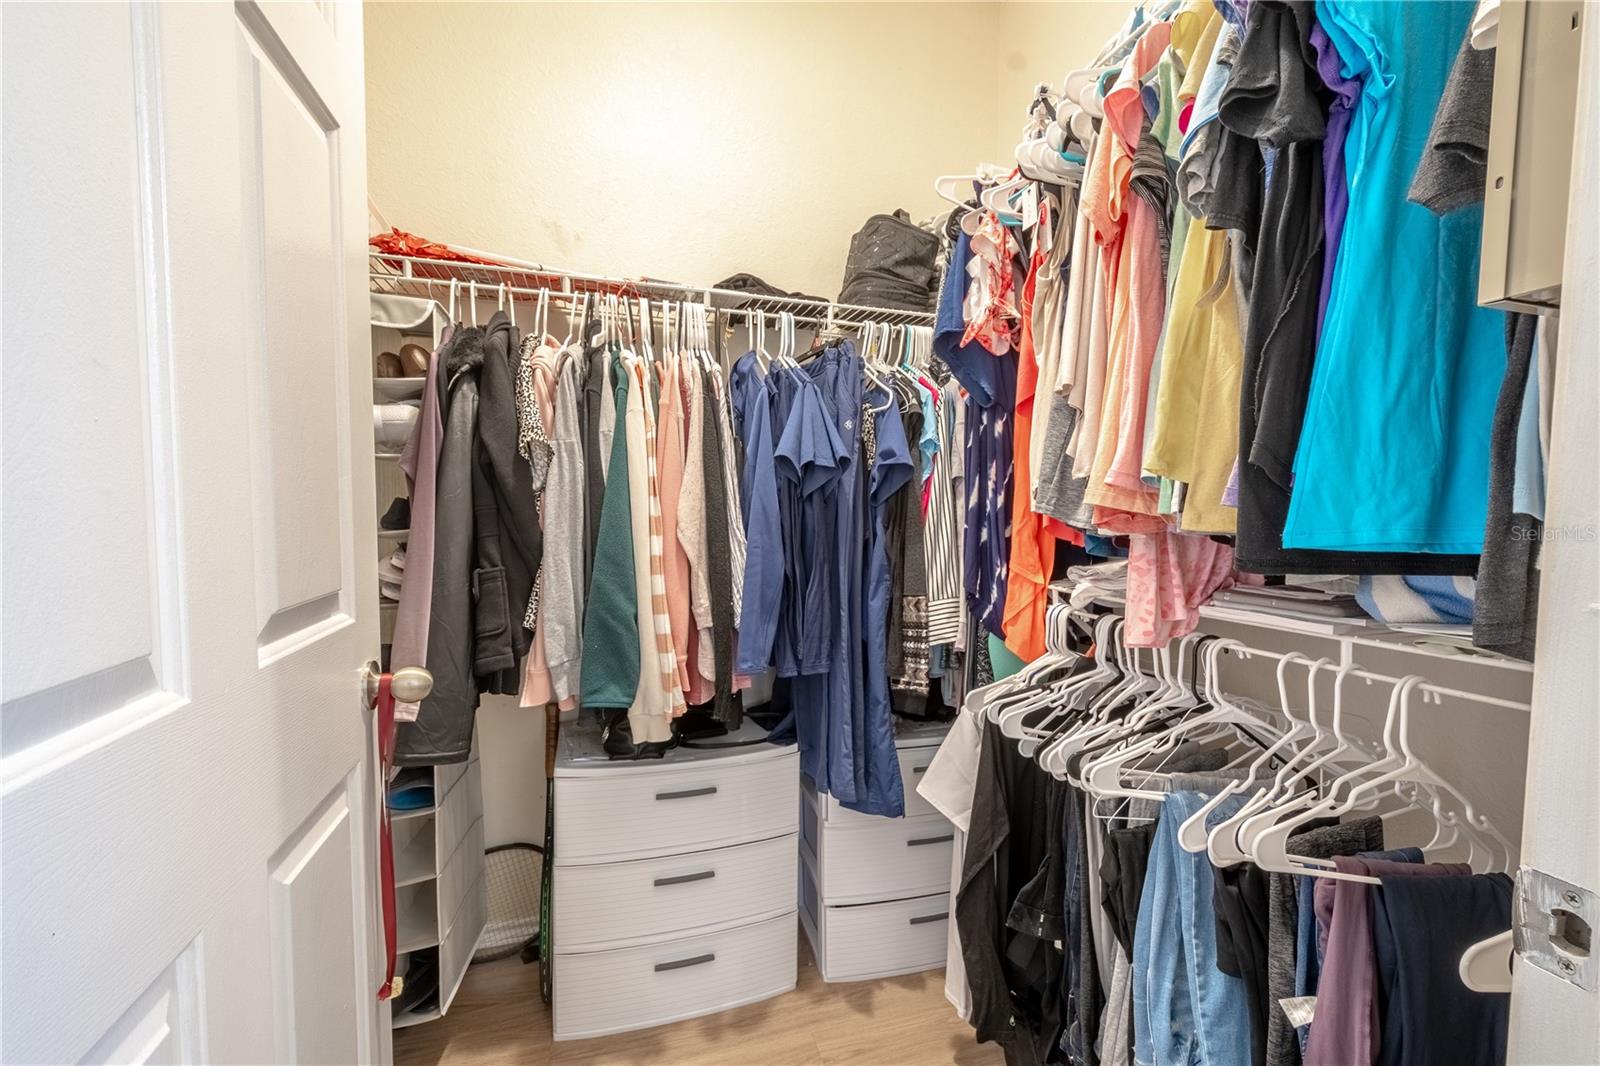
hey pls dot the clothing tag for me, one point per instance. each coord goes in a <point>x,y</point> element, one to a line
<point>406,712</point>
<point>1299,1009</point>
<point>1030,206</point>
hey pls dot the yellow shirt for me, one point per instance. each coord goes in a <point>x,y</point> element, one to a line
<point>1197,412</point>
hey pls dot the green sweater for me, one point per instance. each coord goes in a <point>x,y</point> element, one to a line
<point>610,622</point>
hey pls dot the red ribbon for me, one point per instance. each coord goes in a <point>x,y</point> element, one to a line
<point>391,931</point>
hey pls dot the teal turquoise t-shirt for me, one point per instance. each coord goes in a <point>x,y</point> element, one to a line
<point>1394,453</point>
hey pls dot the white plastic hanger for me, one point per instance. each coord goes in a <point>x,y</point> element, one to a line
<point>1218,713</point>
<point>1193,834</point>
<point>1342,748</point>
<point>1486,965</point>
<point>1267,842</point>
<point>1031,673</point>
<point>646,329</point>
<point>1222,844</point>
<point>1096,724</point>
<point>957,188</point>
<point>541,315</point>
<point>577,311</point>
<point>1103,775</point>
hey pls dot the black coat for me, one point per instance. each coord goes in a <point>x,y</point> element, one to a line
<point>509,537</point>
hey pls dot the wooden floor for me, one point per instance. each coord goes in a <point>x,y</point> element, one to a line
<point>497,1018</point>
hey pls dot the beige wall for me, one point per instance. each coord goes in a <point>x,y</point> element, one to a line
<point>1040,42</point>
<point>689,141</point>
<point>680,141</point>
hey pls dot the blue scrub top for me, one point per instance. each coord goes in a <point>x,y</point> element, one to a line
<point>877,770</point>
<point>1408,366</point>
<point>751,404</point>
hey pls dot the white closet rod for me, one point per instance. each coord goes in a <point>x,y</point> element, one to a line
<point>1426,688</point>
<point>417,276</point>
<point>1348,669</point>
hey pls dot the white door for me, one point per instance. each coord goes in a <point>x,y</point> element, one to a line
<point>188,596</point>
<point>1555,1022</point>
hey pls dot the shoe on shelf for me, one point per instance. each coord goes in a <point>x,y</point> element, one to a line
<point>387,365</point>
<point>397,517</point>
<point>413,360</point>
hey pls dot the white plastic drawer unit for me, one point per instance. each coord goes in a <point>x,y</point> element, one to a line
<point>874,892</point>
<point>674,886</point>
<point>650,897</point>
<point>601,992</point>
<point>868,940</point>
<point>894,858</point>
<point>626,810</point>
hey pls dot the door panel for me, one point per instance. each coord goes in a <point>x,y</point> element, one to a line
<point>85,243</point>
<point>312,940</point>
<point>298,410</point>
<point>162,1026</point>
<point>186,785</point>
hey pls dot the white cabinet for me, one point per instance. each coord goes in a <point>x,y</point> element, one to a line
<point>674,891</point>
<point>874,892</point>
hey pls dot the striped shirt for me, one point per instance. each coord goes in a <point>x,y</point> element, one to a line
<point>939,532</point>
<point>661,620</point>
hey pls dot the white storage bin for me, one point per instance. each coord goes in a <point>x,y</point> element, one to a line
<point>650,897</point>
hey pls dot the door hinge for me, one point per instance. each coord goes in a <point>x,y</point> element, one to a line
<point>1553,926</point>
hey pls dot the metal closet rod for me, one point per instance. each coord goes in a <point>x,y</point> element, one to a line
<point>395,273</point>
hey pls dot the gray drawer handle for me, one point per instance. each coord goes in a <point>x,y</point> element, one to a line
<point>924,919</point>
<point>709,790</point>
<point>920,769</point>
<point>920,841</point>
<point>680,964</point>
<point>683,879</point>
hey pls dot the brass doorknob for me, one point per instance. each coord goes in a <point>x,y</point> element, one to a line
<point>410,684</point>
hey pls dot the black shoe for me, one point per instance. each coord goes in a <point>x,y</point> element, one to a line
<point>419,989</point>
<point>398,516</point>
<point>616,739</point>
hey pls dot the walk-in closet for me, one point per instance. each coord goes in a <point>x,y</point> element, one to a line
<point>977,533</point>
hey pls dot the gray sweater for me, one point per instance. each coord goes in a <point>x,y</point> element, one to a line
<point>565,522</point>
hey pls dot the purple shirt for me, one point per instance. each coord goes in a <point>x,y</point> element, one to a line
<point>420,461</point>
<point>1335,186</point>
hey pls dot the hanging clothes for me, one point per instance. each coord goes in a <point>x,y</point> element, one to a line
<point>1443,367</point>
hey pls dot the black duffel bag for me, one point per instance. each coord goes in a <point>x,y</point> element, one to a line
<point>892,263</point>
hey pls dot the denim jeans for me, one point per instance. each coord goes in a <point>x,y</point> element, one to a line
<point>1186,1012</point>
<point>1307,950</point>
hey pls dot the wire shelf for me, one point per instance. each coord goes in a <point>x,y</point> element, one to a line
<point>432,279</point>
